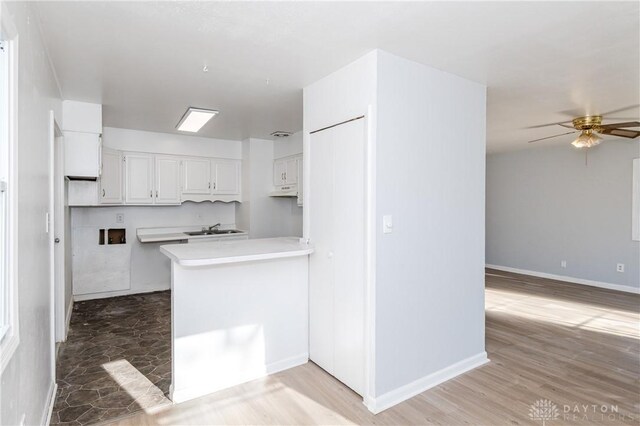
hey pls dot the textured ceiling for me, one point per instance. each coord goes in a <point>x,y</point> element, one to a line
<point>542,62</point>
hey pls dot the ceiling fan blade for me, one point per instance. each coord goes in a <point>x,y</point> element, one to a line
<point>618,125</point>
<point>554,136</point>
<point>620,110</point>
<point>560,123</point>
<point>623,133</point>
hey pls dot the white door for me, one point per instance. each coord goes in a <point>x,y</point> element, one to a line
<point>279,171</point>
<point>196,176</point>
<point>62,291</point>
<point>138,178</point>
<point>111,178</point>
<point>167,180</point>
<point>336,270</point>
<point>226,177</point>
<point>291,171</point>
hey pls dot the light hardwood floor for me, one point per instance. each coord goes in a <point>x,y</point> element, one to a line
<point>570,344</point>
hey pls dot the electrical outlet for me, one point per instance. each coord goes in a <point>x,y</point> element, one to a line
<point>120,218</point>
<point>620,267</point>
<point>563,263</point>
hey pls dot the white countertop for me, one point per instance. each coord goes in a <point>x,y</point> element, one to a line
<point>220,252</point>
<point>155,235</point>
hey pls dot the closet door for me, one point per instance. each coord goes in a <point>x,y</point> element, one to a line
<point>337,221</point>
<point>321,279</point>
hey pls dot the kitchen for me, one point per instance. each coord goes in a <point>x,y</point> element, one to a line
<point>268,247</point>
<point>149,183</point>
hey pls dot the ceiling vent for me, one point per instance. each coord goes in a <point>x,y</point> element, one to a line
<point>280,134</point>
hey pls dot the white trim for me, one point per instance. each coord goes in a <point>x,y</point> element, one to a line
<point>164,286</point>
<point>11,341</point>
<point>635,196</point>
<point>48,409</point>
<point>573,280</point>
<point>370,259</point>
<point>396,396</point>
<point>275,367</point>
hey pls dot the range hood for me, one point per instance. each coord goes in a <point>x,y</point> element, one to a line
<point>285,191</point>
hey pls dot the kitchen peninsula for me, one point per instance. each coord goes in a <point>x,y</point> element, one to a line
<point>239,311</point>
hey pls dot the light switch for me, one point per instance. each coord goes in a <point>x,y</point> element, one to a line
<point>387,224</point>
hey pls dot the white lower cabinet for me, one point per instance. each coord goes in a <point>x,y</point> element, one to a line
<point>336,268</point>
<point>138,178</point>
<point>110,190</point>
<point>167,181</point>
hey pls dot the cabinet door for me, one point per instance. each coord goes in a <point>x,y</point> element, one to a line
<point>82,154</point>
<point>196,176</point>
<point>279,171</point>
<point>291,171</point>
<point>167,180</point>
<point>226,177</point>
<point>138,178</point>
<point>111,178</point>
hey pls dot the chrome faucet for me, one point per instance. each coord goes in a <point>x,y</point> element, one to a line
<point>211,228</point>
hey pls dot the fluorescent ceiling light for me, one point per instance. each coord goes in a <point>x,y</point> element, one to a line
<point>194,119</point>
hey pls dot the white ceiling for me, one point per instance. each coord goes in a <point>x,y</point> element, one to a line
<point>542,62</point>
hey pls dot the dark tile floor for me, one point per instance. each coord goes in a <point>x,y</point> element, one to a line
<point>116,360</point>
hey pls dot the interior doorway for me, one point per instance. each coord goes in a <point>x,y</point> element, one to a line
<point>58,234</point>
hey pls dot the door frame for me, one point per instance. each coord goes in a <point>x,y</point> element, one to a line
<point>369,237</point>
<point>56,213</point>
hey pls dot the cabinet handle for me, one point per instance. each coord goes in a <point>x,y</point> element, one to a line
<point>102,192</point>
<point>151,193</point>
<point>209,185</point>
<point>156,193</point>
<point>214,185</point>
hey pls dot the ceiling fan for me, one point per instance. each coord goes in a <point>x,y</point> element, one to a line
<point>590,128</point>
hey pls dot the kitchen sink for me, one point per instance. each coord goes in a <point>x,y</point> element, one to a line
<point>214,232</point>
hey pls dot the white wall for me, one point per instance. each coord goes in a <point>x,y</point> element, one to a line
<point>27,381</point>
<point>262,215</point>
<point>169,143</point>
<point>427,129</point>
<point>150,269</point>
<point>430,177</point>
<point>544,205</point>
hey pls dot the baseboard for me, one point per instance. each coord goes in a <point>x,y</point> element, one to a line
<point>146,289</point>
<point>182,395</point>
<point>599,284</point>
<point>396,396</point>
<point>46,415</point>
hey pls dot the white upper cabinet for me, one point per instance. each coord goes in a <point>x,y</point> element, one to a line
<point>291,171</point>
<point>82,153</point>
<point>285,171</point>
<point>138,178</point>
<point>225,177</point>
<point>279,172</point>
<point>111,178</point>
<point>167,180</point>
<point>196,176</point>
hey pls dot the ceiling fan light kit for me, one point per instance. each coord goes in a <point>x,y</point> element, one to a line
<point>590,127</point>
<point>587,139</point>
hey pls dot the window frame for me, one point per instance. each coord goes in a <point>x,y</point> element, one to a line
<point>10,338</point>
